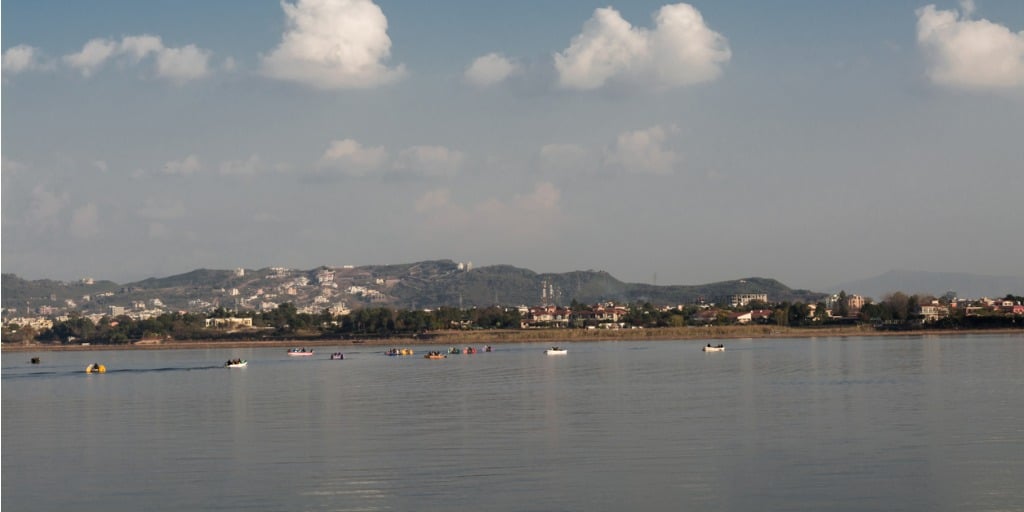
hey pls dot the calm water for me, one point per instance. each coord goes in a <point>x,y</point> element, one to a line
<point>924,424</point>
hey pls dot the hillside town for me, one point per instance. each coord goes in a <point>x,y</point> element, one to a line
<point>257,315</point>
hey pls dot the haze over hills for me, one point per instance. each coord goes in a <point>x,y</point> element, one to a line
<point>426,284</point>
<point>965,285</point>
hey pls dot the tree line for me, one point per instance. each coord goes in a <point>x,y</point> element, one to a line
<point>894,311</point>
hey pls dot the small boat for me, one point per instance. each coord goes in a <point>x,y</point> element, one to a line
<point>469,350</point>
<point>300,352</point>
<point>556,351</point>
<point>487,348</point>
<point>236,363</point>
<point>95,368</point>
<point>435,355</point>
<point>399,352</point>
<point>709,348</point>
<point>35,360</point>
<point>337,355</point>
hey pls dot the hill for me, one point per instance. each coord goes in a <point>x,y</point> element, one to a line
<point>965,285</point>
<point>425,284</point>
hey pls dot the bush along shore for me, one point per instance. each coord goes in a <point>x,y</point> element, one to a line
<point>286,324</point>
<point>499,336</point>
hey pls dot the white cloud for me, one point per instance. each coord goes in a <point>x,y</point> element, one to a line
<point>85,221</point>
<point>333,44</point>
<point>431,161</point>
<point>967,7</point>
<point>969,54</point>
<point>178,65</point>
<point>433,200</point>
<point>490,69</point>
<point>247,167</point>
<point>352,158</point>
<point>680,50</point>
<point>544,198</point>
<point>45,207</point>
<point>188,165</point>
<point>565,158</point>
<point>139,47</point>
<point>183,64</point>
<point>643,151</point>
<point>93,55</point>
<point>158,231</point>
<point>10,167</point>
<point>21,58</point>
<point>523,217</point>
<point>163,210</point>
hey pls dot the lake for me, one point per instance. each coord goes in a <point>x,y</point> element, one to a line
<point>839,424</point>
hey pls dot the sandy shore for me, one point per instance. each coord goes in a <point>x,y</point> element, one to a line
<point>494,337</point>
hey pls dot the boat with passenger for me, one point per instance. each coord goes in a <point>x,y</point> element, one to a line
<point>469,350</point>
<point>454,351</point>
<point>556,351</point>
<point>399,352</point>
<point>337,355</point>
<point>435,355</point>
<point>299,352</point>
<point>95,368</point>
<point>236,363</point>
<point>709,348</point>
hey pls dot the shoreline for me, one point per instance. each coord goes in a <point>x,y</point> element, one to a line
<point>496,337</point>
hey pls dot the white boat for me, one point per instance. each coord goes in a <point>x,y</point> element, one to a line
<point>236,364</point>
<point>556,351</point>
<point>709,348</point>
<point>300,352</point>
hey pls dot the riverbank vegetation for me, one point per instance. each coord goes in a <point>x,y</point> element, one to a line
<point>897,312</point>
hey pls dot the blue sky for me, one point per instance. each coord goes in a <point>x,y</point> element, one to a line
<point>812,142</point>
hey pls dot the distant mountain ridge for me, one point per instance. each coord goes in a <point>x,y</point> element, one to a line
<point>965,285</point>
<point>425,284</point>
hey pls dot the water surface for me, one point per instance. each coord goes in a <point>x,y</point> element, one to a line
<point>913,423</point>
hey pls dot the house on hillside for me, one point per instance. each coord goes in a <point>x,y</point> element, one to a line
<point>229,323</point>
<point>742,299</point>
<point>546,316</point>
<point>931,312</point>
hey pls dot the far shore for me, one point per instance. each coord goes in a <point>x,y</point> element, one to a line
<point>493,337</point>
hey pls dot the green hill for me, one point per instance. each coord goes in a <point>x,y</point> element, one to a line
<point>425,284</point>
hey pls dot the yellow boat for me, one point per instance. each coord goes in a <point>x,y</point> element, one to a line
<point>95,368</point>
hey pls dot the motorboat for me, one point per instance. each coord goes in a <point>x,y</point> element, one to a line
<point>556,351</point>
<point>337,355</point>
<point>95,368</point>
<point>236,363</point>
<point>709,348</point>
<point>298,352</point>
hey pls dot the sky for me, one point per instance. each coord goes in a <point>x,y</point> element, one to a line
<point>811,142</point>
